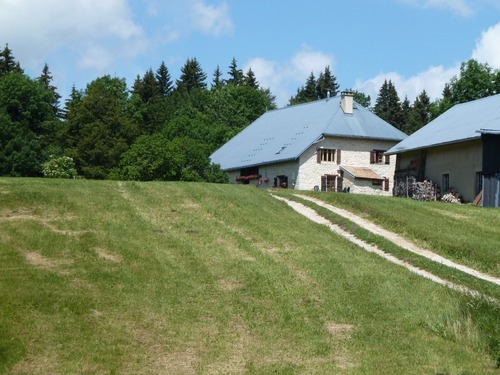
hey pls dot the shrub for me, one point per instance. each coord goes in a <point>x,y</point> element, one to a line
<point>59,167</point>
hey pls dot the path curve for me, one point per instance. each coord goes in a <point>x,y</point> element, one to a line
<point>313,216</point>
<point>401,241</point>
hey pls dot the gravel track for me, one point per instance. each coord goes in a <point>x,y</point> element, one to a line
<point>398,240</point>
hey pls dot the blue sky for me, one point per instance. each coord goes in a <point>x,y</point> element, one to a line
<point>418,44</point>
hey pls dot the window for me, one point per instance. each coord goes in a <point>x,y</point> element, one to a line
<point>479,182</point>
<point>445,187</point>
<point>378,157</point>
<point>325,155</point>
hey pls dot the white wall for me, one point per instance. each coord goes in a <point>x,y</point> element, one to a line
<point>306,173</point>
<point>354,153</point>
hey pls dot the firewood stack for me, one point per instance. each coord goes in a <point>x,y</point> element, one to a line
<point>424,191</point>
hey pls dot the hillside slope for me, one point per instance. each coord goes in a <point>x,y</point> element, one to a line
<point>184,278</point>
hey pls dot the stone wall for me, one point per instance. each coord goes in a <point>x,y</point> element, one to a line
<point>354,153</point>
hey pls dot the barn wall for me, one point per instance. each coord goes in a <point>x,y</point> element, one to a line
<point>461,161</point>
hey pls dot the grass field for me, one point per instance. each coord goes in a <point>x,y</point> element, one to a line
<point>184,278</point>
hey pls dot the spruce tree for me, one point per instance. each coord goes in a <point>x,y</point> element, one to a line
<point>8,63</point>
<point>164,81</point>
<point>326,82</point>
<point>361,98</point>
<point>250,79</point>
<point>388,106</point>
<point>405,112</point>
<point>217,82</point>
<point>45,79</point>
<point>306,93</point>
<point>192,77</point>
<point>147,88</point>
<point>235,74</point>
<point>420,113</point>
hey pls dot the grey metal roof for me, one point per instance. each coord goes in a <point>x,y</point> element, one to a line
<point>460,123</point>
<point>284,134</point>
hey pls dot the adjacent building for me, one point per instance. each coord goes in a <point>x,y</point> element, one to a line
<point>459,149</point>
<point>333,144</point>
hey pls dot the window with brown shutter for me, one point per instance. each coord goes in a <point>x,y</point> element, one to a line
<point>377,157</point>
<point>386,184</point>
<point>325,155</point>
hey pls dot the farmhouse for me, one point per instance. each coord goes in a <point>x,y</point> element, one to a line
<point>459,149</point>
<point>333,144</point>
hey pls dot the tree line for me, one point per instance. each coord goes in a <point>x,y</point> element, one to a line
<point>159,129</point>
<point>475,80</point>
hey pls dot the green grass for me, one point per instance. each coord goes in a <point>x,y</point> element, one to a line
<point>184,278</point>
<point>464,233</point>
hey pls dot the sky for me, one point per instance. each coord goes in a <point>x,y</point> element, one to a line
<point>417,44</point>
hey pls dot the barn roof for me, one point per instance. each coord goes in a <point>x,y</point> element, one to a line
<point>460,123</point>
<point>284,134</point>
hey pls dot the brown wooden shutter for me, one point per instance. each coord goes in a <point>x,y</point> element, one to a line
<point>387,159</point>
<point>323,183</point>
<point>339,184</point>
<point>318,156</point>
<point>386,184</point>
<point>373,157</point>
<point>338,157</point>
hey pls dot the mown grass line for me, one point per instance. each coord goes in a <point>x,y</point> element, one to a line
<point>451,274</point>
<point>486,313</point>
<point>128,277</point>
<point>462,233</point>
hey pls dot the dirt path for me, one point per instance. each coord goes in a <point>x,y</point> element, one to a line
<point>313,216</point>
<point>401,241</point>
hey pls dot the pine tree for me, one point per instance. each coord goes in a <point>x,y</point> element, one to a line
<point>326,82</point>
<point>163,79</point>
<point>388,106</point>
<point>235,74</point>
<point>192,77</point>
<point>8,63</point>
<point>250,79</point>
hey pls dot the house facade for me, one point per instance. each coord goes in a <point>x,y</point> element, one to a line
<point>459,150</point>
<point>332,144</point>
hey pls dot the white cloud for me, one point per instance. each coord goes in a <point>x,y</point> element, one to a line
<point>211,20</point>
<point>284,78</point>
<point>37,29</point>
<point>431,80</point>
<point>488,47</point>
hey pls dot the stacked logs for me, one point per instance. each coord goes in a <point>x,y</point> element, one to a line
<point>424,191</point>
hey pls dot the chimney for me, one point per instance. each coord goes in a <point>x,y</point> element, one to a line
<point>347,102</point>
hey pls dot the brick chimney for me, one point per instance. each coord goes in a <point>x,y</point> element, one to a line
<point>347,102</point>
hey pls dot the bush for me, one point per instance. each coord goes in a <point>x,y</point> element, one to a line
<point>59,167</point>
